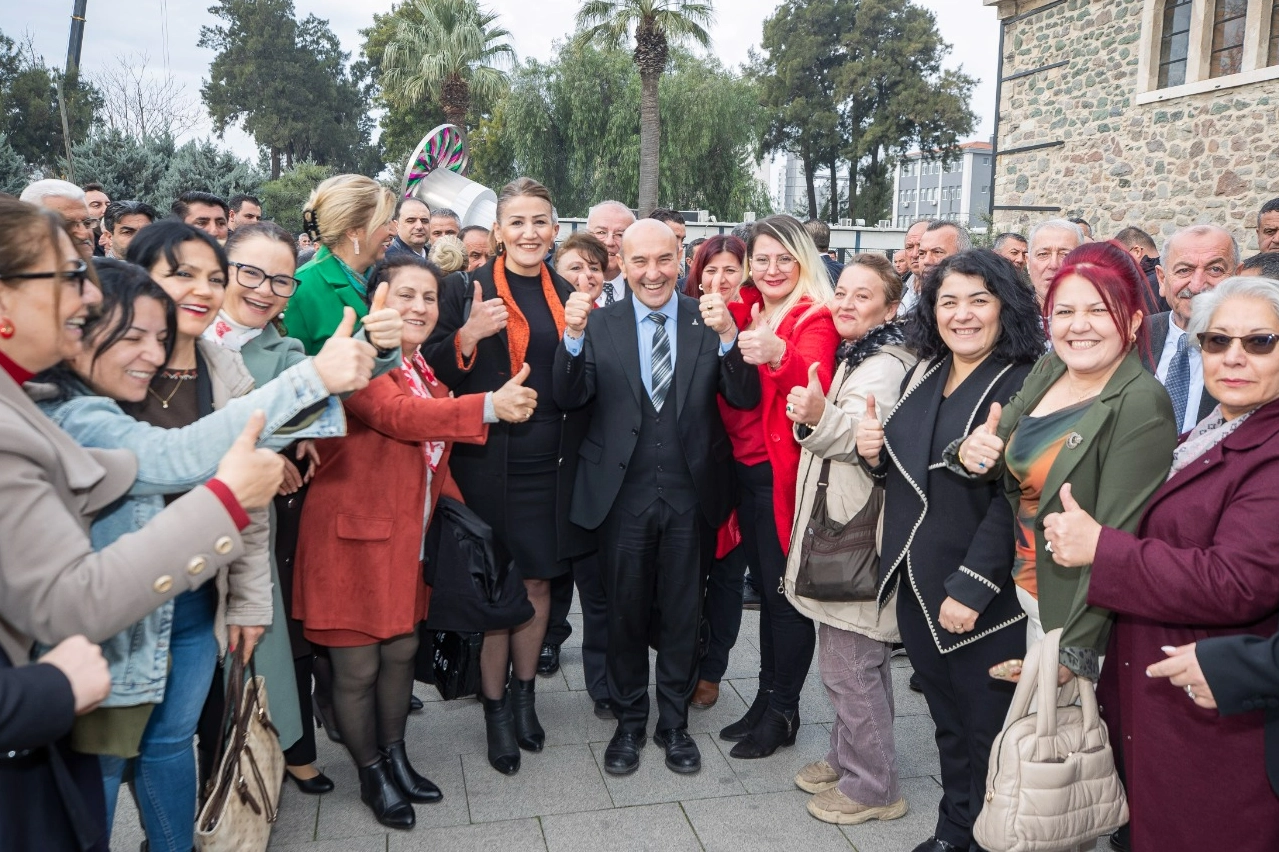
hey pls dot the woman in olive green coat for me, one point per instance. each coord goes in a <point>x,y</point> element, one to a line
<point>1089,426</point>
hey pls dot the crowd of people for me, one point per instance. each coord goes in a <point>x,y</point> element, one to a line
<point>220,438</point>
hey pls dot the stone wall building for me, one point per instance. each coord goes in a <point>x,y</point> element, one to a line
<point>1155,113</point>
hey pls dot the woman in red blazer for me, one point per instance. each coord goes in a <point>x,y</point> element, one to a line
<point>789,334</point>
<point>358,588</point>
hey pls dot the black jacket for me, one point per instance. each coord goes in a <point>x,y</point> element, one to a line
<point>607,372</point>
<point>1157,327</point>
<point>1243,673</point>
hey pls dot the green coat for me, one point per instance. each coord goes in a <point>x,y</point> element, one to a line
<point>1120,457</point>
<point>315,311</point>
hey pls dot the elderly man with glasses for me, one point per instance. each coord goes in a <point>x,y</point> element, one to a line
<point>69,201</point>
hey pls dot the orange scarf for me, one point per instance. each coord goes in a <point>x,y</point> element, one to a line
<point>516,325</point>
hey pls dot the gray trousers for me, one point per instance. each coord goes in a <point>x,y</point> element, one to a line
<point>855,671</point>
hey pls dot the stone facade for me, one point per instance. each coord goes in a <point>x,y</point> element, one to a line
<point>1078,139</point>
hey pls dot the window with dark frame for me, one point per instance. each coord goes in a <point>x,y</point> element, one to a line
<point>1175,44</point>
<point>1228,31</point>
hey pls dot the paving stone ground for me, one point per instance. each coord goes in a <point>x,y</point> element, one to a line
<point>562,801</point>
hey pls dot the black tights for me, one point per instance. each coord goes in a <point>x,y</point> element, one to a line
<point>371,689</point>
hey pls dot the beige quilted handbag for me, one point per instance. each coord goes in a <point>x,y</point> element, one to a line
<point>1051,784</point>
<point>243,798</point>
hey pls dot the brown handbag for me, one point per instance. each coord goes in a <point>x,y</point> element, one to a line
<point>243,798</point>
<point>839,562</point>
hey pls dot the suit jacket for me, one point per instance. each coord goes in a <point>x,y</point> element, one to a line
<point>398,246</point>
<point>1243,673</point>
<point>37,706</point>
<point>607,372</point>
<point>1157,327</point>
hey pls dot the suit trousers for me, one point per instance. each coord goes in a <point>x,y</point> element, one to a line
<point>590,596</point>
<point>968,707</point>
<point>723,612</point>
<point>653,582</point>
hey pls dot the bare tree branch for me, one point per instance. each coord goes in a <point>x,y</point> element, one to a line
<point>143,103</point>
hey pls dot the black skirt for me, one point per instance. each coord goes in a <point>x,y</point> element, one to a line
<point>531,525</point>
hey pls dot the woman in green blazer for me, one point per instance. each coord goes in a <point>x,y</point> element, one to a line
<point>1090,427</point>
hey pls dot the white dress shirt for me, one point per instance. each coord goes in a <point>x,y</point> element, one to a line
<point>1195,394</point>
<point>618,286</point>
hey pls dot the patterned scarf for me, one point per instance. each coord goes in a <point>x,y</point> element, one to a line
<point>419,375</point>
<point>1210,432</point>
<point>517,331</point>
<point>229,334</point>
<point>854,352</point>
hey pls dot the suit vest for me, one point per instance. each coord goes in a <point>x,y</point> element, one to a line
<point>658,469</point>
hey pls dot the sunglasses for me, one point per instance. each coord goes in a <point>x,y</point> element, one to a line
<point>1253,344</point>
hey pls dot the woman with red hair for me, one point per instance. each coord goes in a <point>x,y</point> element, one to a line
<point>1090,428</point>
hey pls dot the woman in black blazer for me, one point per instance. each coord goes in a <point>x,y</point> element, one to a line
<point>507,315</point>
<point>947,550</point>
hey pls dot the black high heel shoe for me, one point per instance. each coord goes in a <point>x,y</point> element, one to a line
<point>379,791</point>
<point>528,730</point>
<point>316,785</point>
<point>776,729</point>
<point>414,786</point>
<point>499,726</point>
<point>743,726</point>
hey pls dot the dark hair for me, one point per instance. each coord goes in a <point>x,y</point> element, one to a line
<point>161,241</point>
<point>1119,281</point>
<point>586,244</point>
<point>962,240</point>
<point>306,256</point>
<point>1021,329</point>
<point>399,205</point>
<point>387,269</point>
<point>717,244</point>
<point>1134,236</point>
<point>1009,235</point>
<point>117,210</point>
<point>446,213</point>
<point>261,230</point>
<point>1271,206</point>
<point>472,229</point>
<point>94,186</point>
<point>820,232</point>
<point>665,214</point>
<point>237,201</point>
<point>182,204</point>
<point>1080,221</point>
<point>1267,263</point>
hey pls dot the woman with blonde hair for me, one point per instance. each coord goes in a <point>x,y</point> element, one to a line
<point>508,319</point>
<point>349,217</point>
<point>448,254</point>
<point>788,333</point>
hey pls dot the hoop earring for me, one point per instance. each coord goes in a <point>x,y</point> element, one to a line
<point>357,245</point>
<point>6,328</point>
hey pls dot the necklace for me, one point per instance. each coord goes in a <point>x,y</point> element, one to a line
<point>177,376</point>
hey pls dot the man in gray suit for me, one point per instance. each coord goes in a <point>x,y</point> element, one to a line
<point>1195,260</point>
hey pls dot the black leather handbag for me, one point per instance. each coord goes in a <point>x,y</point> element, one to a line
<point>839,562</point>
<point>457,663</point>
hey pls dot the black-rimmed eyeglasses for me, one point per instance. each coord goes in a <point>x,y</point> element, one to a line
<point>77,274</point>
<point>247,275</point>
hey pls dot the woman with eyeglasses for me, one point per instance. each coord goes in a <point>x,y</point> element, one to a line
<point>789,335</point>
<point>1201,564</point>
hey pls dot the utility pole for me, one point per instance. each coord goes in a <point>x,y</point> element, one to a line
<point>77,38</point>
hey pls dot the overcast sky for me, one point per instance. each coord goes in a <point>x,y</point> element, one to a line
<point>168,30</point>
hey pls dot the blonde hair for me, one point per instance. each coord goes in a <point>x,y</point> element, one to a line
<point>346,203</point>
<point>448,254</point>
<point>522,187</point>
<point>813,281</point>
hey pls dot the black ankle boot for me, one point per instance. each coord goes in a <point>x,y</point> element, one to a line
<point>739,729</point>
<point>380,792</point>
<point>412,785</point>
<point>499,724</point>
<point>528,731</point>
<point>774,730</point>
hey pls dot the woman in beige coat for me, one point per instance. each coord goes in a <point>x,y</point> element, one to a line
<point>858,779</point>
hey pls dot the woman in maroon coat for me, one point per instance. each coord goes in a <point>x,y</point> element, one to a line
<point>1201,565</point>
<point>358,588</point>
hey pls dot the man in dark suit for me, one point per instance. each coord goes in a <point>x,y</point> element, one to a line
<point>655,476</point>
<point>1195,260</point>
<point>412,228</point>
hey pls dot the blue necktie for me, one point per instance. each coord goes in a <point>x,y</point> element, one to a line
<point>661,361</point>
<point>1178,380</point>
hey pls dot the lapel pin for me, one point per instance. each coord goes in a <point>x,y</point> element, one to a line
<point>694,320</point>
<point>1074,440</point>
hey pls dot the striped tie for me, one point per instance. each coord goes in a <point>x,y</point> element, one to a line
<point>661,361</point>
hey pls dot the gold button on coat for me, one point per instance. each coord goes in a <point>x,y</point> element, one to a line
<point>196,565</point>
<point>223,545</point>
<point>163,584</point>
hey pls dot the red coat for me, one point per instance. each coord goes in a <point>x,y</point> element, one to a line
<point>810,337</point>
<point>360,539</point>
<point>1202,564</point>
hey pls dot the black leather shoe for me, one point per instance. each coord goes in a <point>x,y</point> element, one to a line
<point>315,786</point>
<point>499,726</point>
<point>915,685</point>
<point>1120,841</point>
<point>379,791</point>
<point>682,755</point>
<point>622,757</point>
<point>548,662</point>
<point>528,731</point>
<point>739,729</point>
<point>415,704</point>
<point>411,784</point>
<point>604,710</point>
<point>750,594</point>
<point>774,730</point>
<point>932,844</point>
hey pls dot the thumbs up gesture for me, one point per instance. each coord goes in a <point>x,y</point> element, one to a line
<point>512,402</point>
<point>383,325</point>
<point>253,475</point>
<point>760,344</point>
<point>806,403</point>
<point>1071,535</point>
<point>488,317</point>
<point>715,314</point>
<point>344,363</point>
<point>576,311</point>
<point>870,433</point>
<point>982,451</point>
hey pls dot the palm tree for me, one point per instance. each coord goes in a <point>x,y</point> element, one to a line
<point>448,50</point>
<point>656,24</point>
